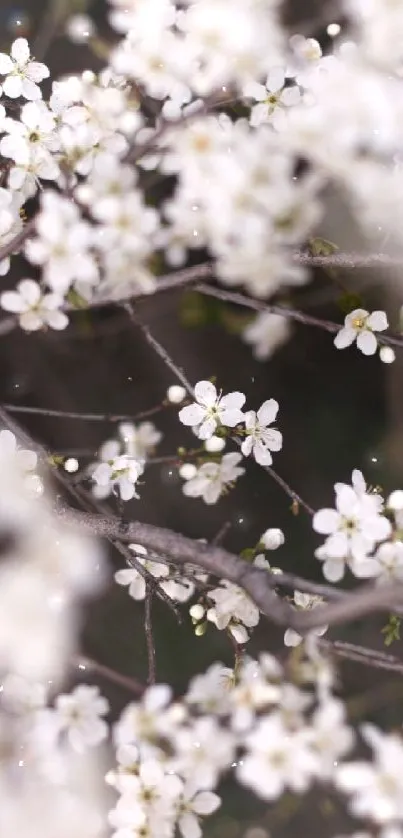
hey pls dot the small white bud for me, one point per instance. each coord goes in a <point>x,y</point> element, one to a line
<point>272,538</point>
<point>214,444</point>
<point>176,394</point>
<point>187,471</point>
<point>196,612</point>
<point>239,633</point>
<point>387,354</point>
<point>395,500</point>
<point>71,465</point>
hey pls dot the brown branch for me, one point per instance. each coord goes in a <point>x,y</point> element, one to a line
<point>290,314</point>
<point>85,417</point>
<point>17,240</point>
<point>259,584</point>
<point>148,627</point>
<point>92,667</point>
<point>158,348</point>
<point>360,654</point>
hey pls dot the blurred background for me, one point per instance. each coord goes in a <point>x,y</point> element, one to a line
<point>338,411</point>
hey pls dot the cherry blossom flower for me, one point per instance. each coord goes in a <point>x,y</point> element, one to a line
<point>35,310</point>
<point>260,439</point>
<point>273,98</point>
<point>120,473</point>
<point>360,326</point>
<point>353,530</point>
<point>375,789</point>
<point>234,609</point>
<point>212,479</point>
<point>211,410</point>
<point>79,715</point>
<point>22,74</point>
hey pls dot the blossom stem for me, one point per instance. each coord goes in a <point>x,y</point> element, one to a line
<point>85,664</point>
<point>148,626</point>
<point>360,654</point>
<point>85,417</point>
<point>290,314</point>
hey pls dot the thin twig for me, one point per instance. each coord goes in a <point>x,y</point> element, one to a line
<point>85,664</point>
<point>367,657</point>
<point>295,497</point>
<point>85,417</point>
<point>288,313</point>
<point>158,348</point>
<point>148,627</point>
<point>222,532</point>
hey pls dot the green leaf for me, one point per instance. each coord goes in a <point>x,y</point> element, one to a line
<point>322,247</point>
<point>391,630</point>
<point>75,299</point>
<point>349,301</point>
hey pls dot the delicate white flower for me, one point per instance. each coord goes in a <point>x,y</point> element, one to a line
<point>260,439</point>
<point>375,788</point>
<point>139,440</point>
<point>211,410</point>
<point>332,738</point>
<point>389,557</point>
<point>203,751</point>
<point>212,479</point>
<point>133,578</point>
<point>353,530</point>
<point>234,609</point>
<point>79,717</point>
<point>22,74</point>
<point>120,473</point>
<point>360,326</point>
<point>277,759</point>
<point>35,310</point>
<point>273,98</point>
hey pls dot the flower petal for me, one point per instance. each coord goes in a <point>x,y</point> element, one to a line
<point>192,414</point>
<point>205,803</point>
<point>378,321</point>
<point>345,337</point>
<point>326,521</point>
<point>206,393</point>
<point>20,51</point>
<point>233,401</point>
<point>267,412</point>
<point>367,342</point>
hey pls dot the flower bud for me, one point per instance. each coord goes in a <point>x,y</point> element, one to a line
<point>272,539</point>
<point>187,471</point>
<point>215,443</point>
<point>176,394</point>
<point>196,612</point>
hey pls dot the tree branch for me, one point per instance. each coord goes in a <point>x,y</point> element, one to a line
<point>85,417</point>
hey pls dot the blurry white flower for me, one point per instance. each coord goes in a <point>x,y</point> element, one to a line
<point>35,309</point>
<point>272,538</point>
<point>79,716</point>
<point>266,334</point>
<point>212,479</point>
<point>22,74</point>
<point>134,579</point>
<point>260,439</point>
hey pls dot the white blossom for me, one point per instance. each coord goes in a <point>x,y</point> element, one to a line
<point>133,578</point>
<point>260,439</point>
<point>303,602</point>
<point>22,74</point>
<point>272,539</point>
<point>266,334</point>
<point>79,717</point>
<point>35,310</point>
<point>212,478</point>
<point>119,474</point>
<point>360,326</point>
<point>211,410</point>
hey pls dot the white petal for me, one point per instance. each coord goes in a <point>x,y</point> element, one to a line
<point>233,401</point>
<point>56,319</point>
<point>231,417</point>
<point>326,521</point>
<point>31,90</point>
<point>377,321</point>
<point>6,64</point>
<point>36,71</point>
<point>345,337</point>
<point>12,87</point>
<point>367,343</point>
<point>192,414</point>
<point>207,428</point>
<point>31,321</point>
<point>126,488</point>
<point>291,96</point>
<point>206,802</point>
<point>261,454</point>
<point>267,412</point>
<point>247,446</point>
<point>275,79</point>
<point>126,576</point>
<point>20,51</point>
<point>292,638</point>
<point>11,301</point>
<point>333,570</point>
<point>206,393</point>
<point>30,291</point>
<point>189,826</point>
<point>253,90</point>
<point>8,442</point>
